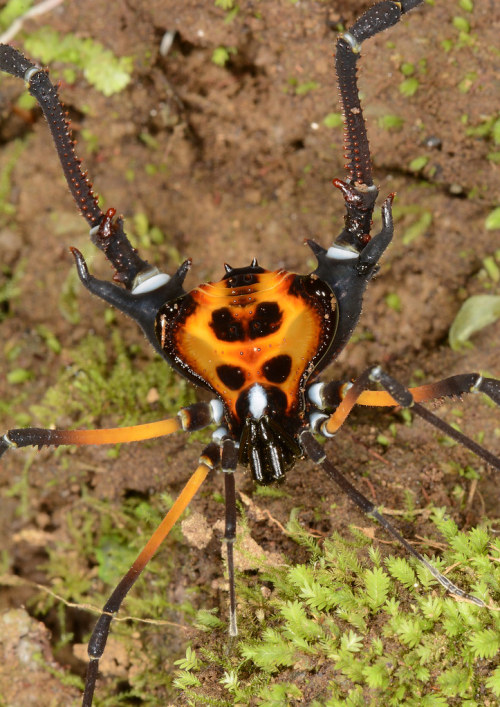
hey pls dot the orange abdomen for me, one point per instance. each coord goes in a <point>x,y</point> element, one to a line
<point>269,328</point>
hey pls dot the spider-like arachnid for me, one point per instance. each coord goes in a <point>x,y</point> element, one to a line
<point>257,340</point>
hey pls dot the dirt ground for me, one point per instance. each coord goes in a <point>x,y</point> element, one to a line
<point>232,162</point>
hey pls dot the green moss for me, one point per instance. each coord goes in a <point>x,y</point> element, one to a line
<point>98,384</point>
<point>377,626</point>
<point>333,120</point>
<point>414,222</point>
<point>12,10</point>
<point>409,87</point>
<point>390,122</point>
<point>106,72</point>
<point>221,55</point>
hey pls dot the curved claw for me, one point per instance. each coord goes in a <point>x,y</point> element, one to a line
<point>142,308</point>
<point>378,244</point>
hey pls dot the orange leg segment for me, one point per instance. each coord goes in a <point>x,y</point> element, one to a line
<point>37,437</point>
<point>358,395</point>
<point>99,636</point>
<point>397,394</point>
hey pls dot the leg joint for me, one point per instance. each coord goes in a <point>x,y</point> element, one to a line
<point>8,441</point>
<point>476,386</point>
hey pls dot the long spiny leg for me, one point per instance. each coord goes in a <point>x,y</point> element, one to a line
<point>316,453</point>
<point>359,191</point>
<point>208,460</point>
<point>397,394</point>
<point>107,232</point>
<point>189,419</point>
<point>352,260</point>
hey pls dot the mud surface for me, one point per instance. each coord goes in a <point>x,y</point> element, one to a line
<point>234,162</point>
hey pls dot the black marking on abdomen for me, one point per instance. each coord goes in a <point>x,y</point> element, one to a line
<point>266,320</point>
<point>226,327</point>
<point>277,369</point>
<point>232,376</point>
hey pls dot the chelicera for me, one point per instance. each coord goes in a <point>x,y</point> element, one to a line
<point>257,340</point>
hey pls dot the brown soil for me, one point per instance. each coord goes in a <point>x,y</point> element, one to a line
<point>242,167</point>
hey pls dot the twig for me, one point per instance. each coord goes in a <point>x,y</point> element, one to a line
<point>9,580</point>
<point>40,9</point>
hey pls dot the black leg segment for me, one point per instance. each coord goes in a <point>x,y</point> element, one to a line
<point>316,453</point>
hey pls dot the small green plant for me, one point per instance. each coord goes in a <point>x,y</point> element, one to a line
<point>393,301</point>
<point>333,120</point>
<point>301,88</point>
<point>466,5</point>
<point>93,387</point>
<point>476,312</point>
<point>415,221</point>
<point>221,55</point>
<point>493,220</point>
<point>378,625</point>
<point>12,10</point>
<point>225,4</point>
<point>409,87</point>
<point>418,163</point>
<point>390,122</point>
<point>106,72</point>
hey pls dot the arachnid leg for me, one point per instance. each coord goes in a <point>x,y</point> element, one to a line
<point>194,417</point>
<point>208,460</point>
<point>317,454</point>
<point>112,240</point>
<point>397,394</point>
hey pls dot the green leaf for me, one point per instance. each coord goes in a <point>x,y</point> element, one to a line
<point>19,375</point>
<point>333,120</point>
<point>270,652</point>
<point>108,73</point>
<point>279,694</point>
<point>479,541</point>
<point>493,220</point>
<point>377,676</point>
<point>418,228</point>
<point>190,662</point>
<point>401,570</point>
<point>304,88</point>
<point>390,122</point>
<point>12,10</point>
<point>206,621</point>
<point>493,682</point>
<point>496,132</point>
<point>377,587</point>
<point>485,644</point>
<point>432,607</point>
<point>454,682</point>
<point>461,24</point>
<point>476,313</point>
<point>409,87</point>
<point>220,56</point>
<point>409,631</point>
<point>315,594</point>
<point>351,642</point>
<point>299,626</point>
<point>418,163</point>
